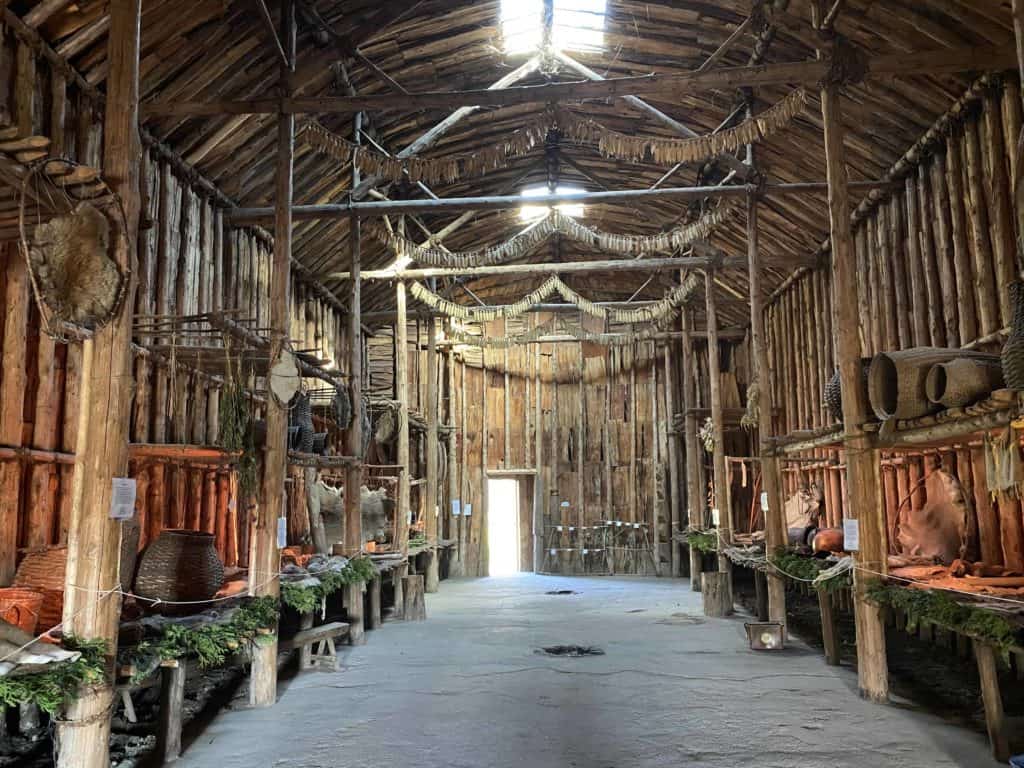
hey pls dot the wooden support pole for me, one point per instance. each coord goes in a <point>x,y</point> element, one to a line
<point>432,577</point>
<point>538,452</point>
<point>373,615</point>
<point>464,486</point>
<point>673,463</point>
<point>655,459</point>
<point>862,461</point>
<point>771,481</point>
<point>172,704</point>
<point>265,560</point>
<point>720,477</point>
<point>402,396</point>
<point>354,434</point>
<point>995,720</point>
<point>91,607</point>
<point>453,469</point>
<point>829,628</point>
<point>354,610</point>
<point>694,497</point>
<point>1018,33</point>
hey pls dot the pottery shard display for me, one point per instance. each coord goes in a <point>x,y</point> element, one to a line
<point>179,566</point>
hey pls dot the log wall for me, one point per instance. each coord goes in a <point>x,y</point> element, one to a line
<point>935,257</point>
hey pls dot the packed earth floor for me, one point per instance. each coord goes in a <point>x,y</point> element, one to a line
<point>472,688</point>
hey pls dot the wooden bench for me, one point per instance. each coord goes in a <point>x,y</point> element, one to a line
<point>323,636</point>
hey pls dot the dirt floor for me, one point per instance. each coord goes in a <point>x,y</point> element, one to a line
<point>468,688</point>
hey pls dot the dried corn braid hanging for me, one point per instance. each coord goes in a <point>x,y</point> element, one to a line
<point>447,169</point>
<point>555,222</point>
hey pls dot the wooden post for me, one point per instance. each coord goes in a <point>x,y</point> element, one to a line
<point>402,395</point>
<point>172,702</point>
<point>453,476</point>
<point>373,620</point>
<point>354,435</point>
<point>265,561</point>
<point>538,452</point>
<point>460,561</point>
<point>694,498</point>
<point>354,609</point>
<point>719,474</point>
<point>995,721</point>
<point>771,481</point>
<point>414,607</point>
<point>673,462</point>
<point>1018,33</point>
<point>862,467</point>
<point>829,629</point>
<point>717,594</point>
<point>430,508</point>
<point>91,607</point>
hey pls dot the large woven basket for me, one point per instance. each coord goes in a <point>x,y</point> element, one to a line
<point>20,606</point>
<point>179,566</point>
<point>963,381</point>
<point>43,569</point>
<point>833,394</point>
<point>896,380</point>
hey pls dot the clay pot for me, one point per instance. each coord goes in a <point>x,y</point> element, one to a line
<point>180,566</point>
<point>828,540</point>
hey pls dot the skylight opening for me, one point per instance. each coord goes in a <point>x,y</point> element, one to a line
<point>537,212</point>
<point>577,25</point>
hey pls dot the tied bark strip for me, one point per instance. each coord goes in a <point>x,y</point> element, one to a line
<point>646,314</point>
<point>448,169</point>
<point>555,223</point>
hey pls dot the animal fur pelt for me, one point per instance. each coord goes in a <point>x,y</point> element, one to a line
<point>76,278</point>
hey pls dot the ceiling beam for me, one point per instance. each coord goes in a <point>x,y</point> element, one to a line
<point>934,62</point>
<point>241,216</point>
<point>562,267</point>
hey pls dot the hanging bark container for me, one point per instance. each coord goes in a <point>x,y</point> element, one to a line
<point>180,566</point>
<point>896,380</point>
<point>1013,349</point>
<point>833,390</point>
<point>20,606</point>
<point>963,381</point>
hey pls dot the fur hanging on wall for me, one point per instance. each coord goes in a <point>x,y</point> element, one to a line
<point>73,273</point>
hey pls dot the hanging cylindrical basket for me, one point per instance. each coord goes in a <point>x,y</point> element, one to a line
<point>43,570</point>
<point>20,606</point>
<point>833,390</point>
<point>963,381</point>
<point>1013,350</point>
<point>896,380</point>
<point>180,566</point>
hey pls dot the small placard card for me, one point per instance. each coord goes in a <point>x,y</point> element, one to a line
<point>467,510</point>
<point>282,532</point>
<point>851,535</point>
<point>764,501</point>
<point>456,507</point>
<point>122,498</point>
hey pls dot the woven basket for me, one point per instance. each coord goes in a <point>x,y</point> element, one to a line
<point>43,569</point>
<point>20,606</point>
<point>833,395</point>
<point>51,613</point>
<point>342,406</point>
<point>963,381</point>
<point>179,566</point>
<point>896,380</point>
<point>1013,350</point>
<point>302,417</point>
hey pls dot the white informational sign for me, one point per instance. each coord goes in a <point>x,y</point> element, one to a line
<point>282,532</point>
<point>851,535</point>
<point>565,504</point>
<point>715,516</point>
<point>467,510</point>
<point>456,507</point>
<point>122,498</point>
<point>764,501</point>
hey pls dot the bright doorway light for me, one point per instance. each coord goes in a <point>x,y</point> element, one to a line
<point>578,25</point>
<point>502,526</point>
<point>535,212</point>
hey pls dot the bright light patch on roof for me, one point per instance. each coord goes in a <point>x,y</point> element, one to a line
<point>577,25</point>
<point>535,212</point>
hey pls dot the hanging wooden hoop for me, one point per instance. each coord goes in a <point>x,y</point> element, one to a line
<point>77,285</point>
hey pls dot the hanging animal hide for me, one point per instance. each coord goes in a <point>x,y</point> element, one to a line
<point>938,529</point>
<point>76,279</point>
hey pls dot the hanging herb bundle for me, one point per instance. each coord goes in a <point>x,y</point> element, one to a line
<point>236,426</point>
<point>806,568</point>
<point>702,541</point>
<point>56,683</point>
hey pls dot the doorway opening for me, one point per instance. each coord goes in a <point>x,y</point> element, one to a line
<point>502,526</point>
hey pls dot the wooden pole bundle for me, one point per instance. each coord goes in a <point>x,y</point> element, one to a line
<point>720,475</point>
<point>354,434</point>
<point>91,611</point>
<point>402,509</point>
<point>694,498</point>
<point>430,508</point>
